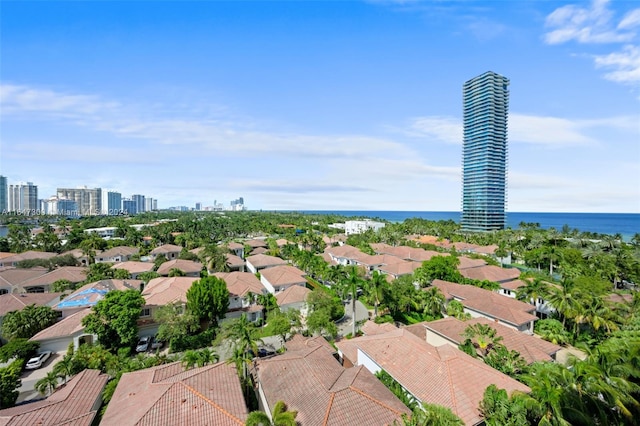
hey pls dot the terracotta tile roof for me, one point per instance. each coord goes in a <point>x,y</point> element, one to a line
<point>166,248</point>
<point>531,348</point>
<point>337,238</point>
<point>300,343</point>
<point>512,285</point>
<point>134,267</point>
<point>345,251</point>
<point>313,383</point>
<point>283,275</point>
<point>15,302</point>
<point>406,252</point>
<point>118,251</point>
<point>64,328</point>
<point>265,261</point>
<point>75,274</point>
<point>256,243</point>
<point>282,242</point>
<point>4,254</point>
<point>443,376</point>
<point>620,298</point>
<point>72,404</point>
<point>196,251</point>
<point>504,308</point>
<point>240,284</point>
<point>169,395</point>
<point>258,250</point>
<point>234,261</point>
<point>370,328</point>
<point>293,294</point>
<point>186,266</point>
<point>234,246</point>
<point>13,277</point>
<point>491,273</point>
<point>90,294</point>
<point>164,290</point>
<point>398,269</point>
<point>27,255</point>
<point>467,262</point>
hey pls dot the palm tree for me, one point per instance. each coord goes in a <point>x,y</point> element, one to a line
<point>240,333</point>
<point>376,290</point>
<point>190,359</point>
<point>482,336</point>
<point>533,291</point>
<point>354,281</point>
<point>433,301</point>
<point>47,384</point>
<point>564,299</point>
<point>64,368</point>
<point>280,416</point>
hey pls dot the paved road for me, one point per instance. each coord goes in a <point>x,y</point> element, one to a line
<point>30,377</point>
<point>346,325</point>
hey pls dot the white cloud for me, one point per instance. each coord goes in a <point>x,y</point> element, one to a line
<point>524,128</point>
<point>625,64</point>
<point>631,19</point>
<point>592,24</point>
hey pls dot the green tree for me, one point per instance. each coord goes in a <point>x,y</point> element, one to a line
<point>376,289</point>
<point>10,383</point>
<point>482,336</point>
<point>208,300</point>
<point>506,361</point>
<point>114,318</point>
<point>551,330</point>
<point>174,322</point>
<point>438,267</point>
<point>99,271</point>
<point>280,416</point>
<point>20,348</point>
<point>239,333</point>
<point>280,324</point>
<point>47,384</point>
<point>63,285</point>
<point>64,368</point>
<point>28,321</point>
<point>148,276</point>
<point>176,272</point>
<point>456,309</point>
<point>433,302</point>
<point>432,415</point>
<point>500,410</point>
<point>19,237</point>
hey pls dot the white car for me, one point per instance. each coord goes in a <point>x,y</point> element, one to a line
<point>38,361</point>
<point>143,344</point>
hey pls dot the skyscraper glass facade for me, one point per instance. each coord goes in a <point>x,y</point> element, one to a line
<point>484,155</point>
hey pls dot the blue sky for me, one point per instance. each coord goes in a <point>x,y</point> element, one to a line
<point>319,105</point>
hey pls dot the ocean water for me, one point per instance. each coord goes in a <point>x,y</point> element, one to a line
<point>626,224</point>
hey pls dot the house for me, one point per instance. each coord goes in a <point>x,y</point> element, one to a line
<point>116,254</point>
<point>16,302</point>
<point>467,262</point>
<point>256,243</point>
<point>160,292</point>
<point>235,263</point>
<point>436,375</point>
<point>169,251</point>
<point>406,252</point>
<point>312,382</point>
<point>11,278</point>
<point>400,268</point>
<point>170,395</point>
<point>90,294</point>
<point>134,268</point>
<point>342,255</point>
<point>259,250</point>
<point>479,302</point>
<point>236,248</point>
<point>76,403</point>
<point>60,335</point>
<point>262,261</point>
<point>294,297</point>
<point>491,273</point>
<point>189,267</point>
<point>510,289</point>
<point>360,226</point>
<point>450,331</point>
<point>279,278</point>
<point>242,286</point>
<point>14,259</point>
<point>42,283</point>
<point>80,256</point>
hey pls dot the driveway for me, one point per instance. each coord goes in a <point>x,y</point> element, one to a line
<point>346,325</point>
<point>30,377</point>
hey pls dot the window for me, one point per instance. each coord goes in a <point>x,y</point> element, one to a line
<point>146,312</point>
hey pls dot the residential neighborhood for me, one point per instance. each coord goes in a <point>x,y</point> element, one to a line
<point>327,329</point>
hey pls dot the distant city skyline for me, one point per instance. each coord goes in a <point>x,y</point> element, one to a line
<point>319,105</point>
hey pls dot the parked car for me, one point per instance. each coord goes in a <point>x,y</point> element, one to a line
<point>38,360</point>
<point>156,344</point>
<point>144,344</point>
<point>263,352</point>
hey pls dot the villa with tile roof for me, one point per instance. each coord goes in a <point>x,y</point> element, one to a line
<point>57,337</point>
<point>11,278</point>
<point>42,283</point>
<point>241,285</point>
<point>27,255</point>
<point>90,294</point>
<point>262,261</point>
<point>170,251</point>
<point>444,375</point>
<point>312,382</point>
<point>74,404</point>
<point>450,331</point>
<point>116,254</point>
<point>134,268</point>
<point>235,263</point>
<point>491,273</point>
<point>170,395</point>
<point>294,297</point>
<point>479,302</point>
<point>189,267</point>
<point>279,278</point>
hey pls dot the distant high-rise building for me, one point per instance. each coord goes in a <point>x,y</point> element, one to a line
<point>129,206</point>
<point>89,200</point>
<point>148,204</point>
<point>111,203</point>
<point>154,205</point>
<point>198,206</point>
<point>139,200</point>
<point>237,205</point>
<point>60,206</point>
<point>4,200</point>
<point>23,198</point>
<point>484,157</point>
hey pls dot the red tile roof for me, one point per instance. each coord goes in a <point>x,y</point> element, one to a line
<point>491,273</point>
<point>531,348</point>
<point>487,302</point>
<point>443,376</point>
<point>467,262</point>
<point>118,251</point>
<point>72,404</point>
<point>164,290</point>
<point>14,277</point>
<point>134,267</point>
<point>27,255</point>
<point>293,294</point>
<point>283,275</point>
<point>166,248</point>
<point>169,395</point>
<point>74,274</point>
<point>256,243</point>
<point>234,261</point>
<point>313,383</point>
<point>265,261</point>
<point>186,266</point>
<point>63,328</point>
<point>240,284</point>
<point>15,302</point>
<point>370,328</point>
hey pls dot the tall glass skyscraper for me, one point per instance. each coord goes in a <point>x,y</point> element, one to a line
<point>484,155</point>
